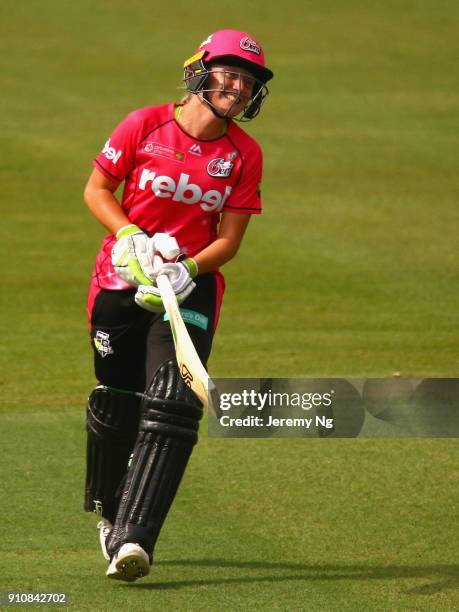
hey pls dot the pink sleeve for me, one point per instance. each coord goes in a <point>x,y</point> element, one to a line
<point>245,197</point>
<point>117,158</point>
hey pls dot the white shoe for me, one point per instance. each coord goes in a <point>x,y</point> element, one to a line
<point>129,563</point>
<point>104,526</point>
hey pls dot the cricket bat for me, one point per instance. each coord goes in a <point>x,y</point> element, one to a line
<point>191,369</point>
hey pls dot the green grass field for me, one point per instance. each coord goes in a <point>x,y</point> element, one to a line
<point>351,271</point>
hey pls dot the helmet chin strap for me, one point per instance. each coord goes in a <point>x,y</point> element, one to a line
<point>204,97</point>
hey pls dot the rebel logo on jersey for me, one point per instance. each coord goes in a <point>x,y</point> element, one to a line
<point>111,153</point>
<point>184,191</point>
<point>219,167</point>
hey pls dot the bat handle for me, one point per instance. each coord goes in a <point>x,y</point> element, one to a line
<point>157,261</point>
<point>167,293</point>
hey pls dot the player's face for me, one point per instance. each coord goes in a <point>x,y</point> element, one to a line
<point>233,88</point>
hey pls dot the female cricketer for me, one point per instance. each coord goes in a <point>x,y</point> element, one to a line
<point>191,173</point>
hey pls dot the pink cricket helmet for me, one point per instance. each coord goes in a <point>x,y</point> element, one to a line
<point>239,47</point>
<point>234,48</point>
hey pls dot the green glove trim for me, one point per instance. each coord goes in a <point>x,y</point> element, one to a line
<point>154,301</point>
<point>192,266</point>
<point>137,273</point>
<point>127,230</point>
<point>122,261</point>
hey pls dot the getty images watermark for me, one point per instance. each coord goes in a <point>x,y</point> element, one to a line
<point>335,408</point>
<point>263,402</point>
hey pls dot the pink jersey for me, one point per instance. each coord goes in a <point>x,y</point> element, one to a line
<point>175,183</point>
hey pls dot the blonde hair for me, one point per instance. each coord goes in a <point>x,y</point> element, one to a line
<point>186,98</point>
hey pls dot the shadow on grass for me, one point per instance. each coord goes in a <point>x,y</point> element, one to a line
<point>446,577</point>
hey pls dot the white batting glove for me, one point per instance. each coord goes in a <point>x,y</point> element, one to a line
<point>132,256</point>
<point>163,246</point>
<point>180,275</point>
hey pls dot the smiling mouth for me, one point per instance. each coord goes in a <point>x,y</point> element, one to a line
<point>233,96</point>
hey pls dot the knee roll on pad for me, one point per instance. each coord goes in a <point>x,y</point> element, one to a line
<point>167,433</point>
<point>168,384</point>
<point>170,407</point>
<point>112,423</point>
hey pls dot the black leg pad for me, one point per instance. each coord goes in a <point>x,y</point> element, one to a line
<point>167,433</point>
<point>112,424</point>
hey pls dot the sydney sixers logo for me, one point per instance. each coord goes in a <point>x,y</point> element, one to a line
<point>219,167</point>
<point>248,44</point>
